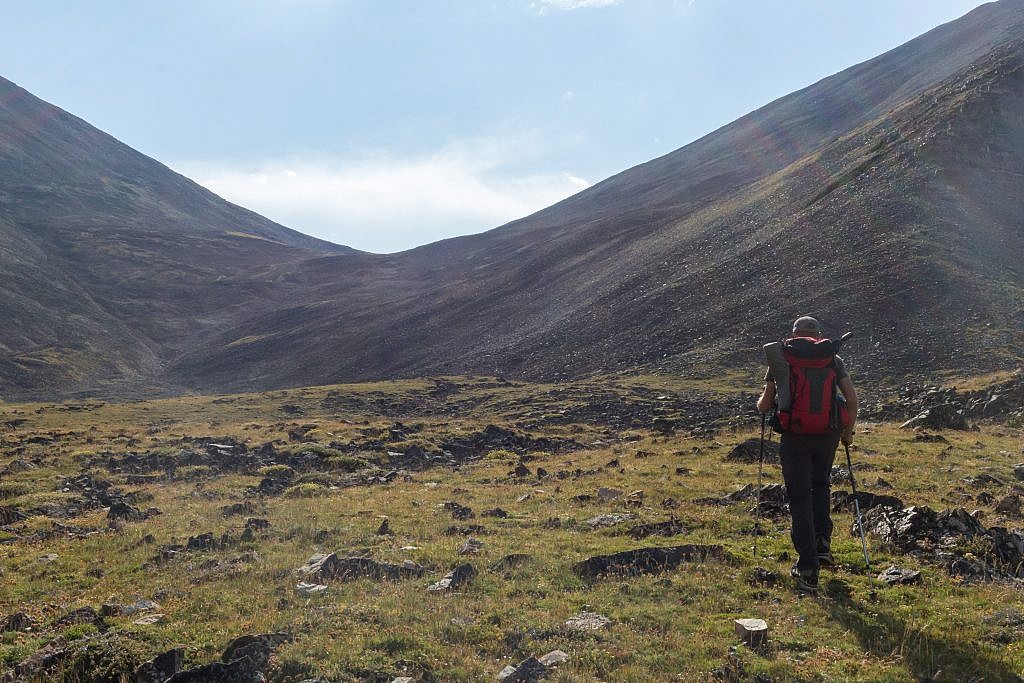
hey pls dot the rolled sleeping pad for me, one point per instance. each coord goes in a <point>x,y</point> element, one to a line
<point>779,367</point>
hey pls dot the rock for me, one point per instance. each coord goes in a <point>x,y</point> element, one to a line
<point>10,515</point>
<point>942,416</point>
<point>608,495</point>
<point>749,451</point>
<point>764,577</point>
<point>1010,505</point>
<point>554,658</point>
<point>511,562</point>
<point>125,512</point>
<point>385,529</point>
<point>149,620</point>
<point>470,546</point>
<point>404,679</point>
<point>42,660</point>
<point>161,667</point>
<point>924,437</point>
<point>241,670</point>
<point>669,527</point>
<point>454,579</point>
<point>310,588</point>
<point>843,501</point>
<point>82,615</point>
<point>897,575</point>
<point>257,524</point>
<point>646,560</point>
<point>321,568</point>
<point>494,512</point>
<point>520,471</point>
<point>204,541</point>
<point>753,632</point>
<point>608,520</point>
<point>460,512</point>
<point>527,671</point>
<point>587,621</point>
<point>138,606</point>
<point>19,621</point>
<point>1018,471</point>
<point>256,647</point>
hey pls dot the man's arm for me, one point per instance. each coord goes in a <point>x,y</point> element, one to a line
<point>767,400</point>
<point>850,394</point>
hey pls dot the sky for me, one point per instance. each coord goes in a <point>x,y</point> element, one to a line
<point>387,124</point>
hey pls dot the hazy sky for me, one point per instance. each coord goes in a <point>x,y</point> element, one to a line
<point>385,124</point>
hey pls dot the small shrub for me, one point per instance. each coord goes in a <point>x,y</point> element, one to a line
<point>501,455</point>
<point>194,472</point>
<point>306,490</point>
<point>277,471</point>
<point>346,463</point>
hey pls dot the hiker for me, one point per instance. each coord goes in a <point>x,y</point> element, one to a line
<point>808,444</point>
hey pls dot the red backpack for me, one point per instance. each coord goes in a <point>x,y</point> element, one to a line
<point>815,407</point>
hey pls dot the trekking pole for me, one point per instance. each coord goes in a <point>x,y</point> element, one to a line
<point>856,507</point>
<point>760,469</point>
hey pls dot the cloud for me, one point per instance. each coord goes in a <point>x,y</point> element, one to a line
<point>543,6</point>
<point>385,203</point>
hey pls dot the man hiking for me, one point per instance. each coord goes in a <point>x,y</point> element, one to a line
<point>813,420</point>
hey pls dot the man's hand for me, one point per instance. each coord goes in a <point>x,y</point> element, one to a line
<point>847,436</point>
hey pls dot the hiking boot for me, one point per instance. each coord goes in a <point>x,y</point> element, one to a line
<point>826,560</point>
<point>806,581</point>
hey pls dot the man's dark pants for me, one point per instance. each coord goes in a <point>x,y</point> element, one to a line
<point>806,468</point>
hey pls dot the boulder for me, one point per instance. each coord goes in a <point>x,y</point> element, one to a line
<point>749,451</point>
<point>454,579</point>
<point>753,632</point>
<point>942,416</point>
<point>256,647</point>
<point>161,667</point>
<point>646,560</point>
<point>898,576</point>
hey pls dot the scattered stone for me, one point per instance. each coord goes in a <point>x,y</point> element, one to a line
<point>49,557</point>
<point>149,619</point>
<point>82,615</point>
<point>137,606</point>
<point>454,579</point>
<point>608,495</point>
<point>257,524</point>
<point>161,667</point>
<point>511,562</point>
<point>242,670</point>
<point>898,576</point>
<point>1010,505</point>
<point>764,577</point>
<point>669,527</point>
<point>527,671</point>
<point>246,508</point>
<point>523,498</point>
<point>10,515</point>
<point>494,512</point>
<point>843,501</point>
<point>608,520</point>
<point>985,498</point>
<point>19,621</point>
<point>310,588</point>
<point>42,660</point>
<point>646,560</point>
<point>257,648</point>
<point>204,541</point>
<point>124,511</point>
<point>924,437</point>
<point>749,451</point>
<point>983,480</point>
<point>554,658</point>
<point>464,529</point>
<point>385,529</point>
<point>1018,471</point>
<point>460,512</point>
<point>470,546</point>
<point>753,632</point>
<point>587,621</point>
<point>321,568</point>
<point>942,416</point>
<point>520,471</point>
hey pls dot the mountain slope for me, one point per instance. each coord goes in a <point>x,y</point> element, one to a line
<point>110,261</point>
<point>886,199</point>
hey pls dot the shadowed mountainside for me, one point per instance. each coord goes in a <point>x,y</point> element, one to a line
<point>888,198</point>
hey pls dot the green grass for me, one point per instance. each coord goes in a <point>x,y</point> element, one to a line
<point>672,626</point>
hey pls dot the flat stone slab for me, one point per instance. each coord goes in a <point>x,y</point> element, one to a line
<point>646,560</point>
<point>898,576</point>
<point>587,621</point>
<point>320,568</point>
<point>753,632</point>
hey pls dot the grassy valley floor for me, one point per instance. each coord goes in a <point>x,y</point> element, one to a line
<point>105,505</point>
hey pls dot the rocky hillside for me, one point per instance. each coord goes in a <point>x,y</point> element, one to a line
<point>886,199</point>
